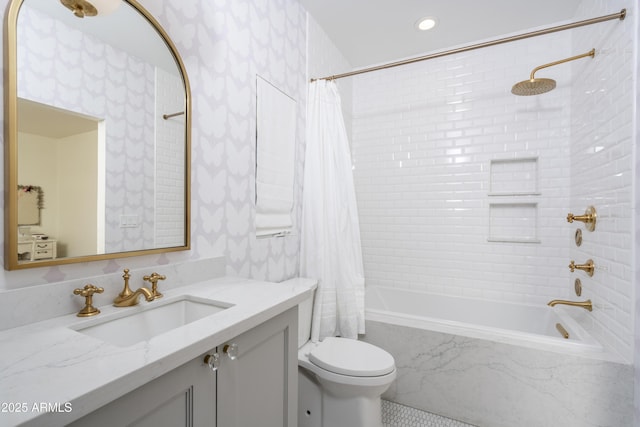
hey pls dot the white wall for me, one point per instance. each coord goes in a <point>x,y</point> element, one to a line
<point>65,169</point>
<point>169,162</point>
<point>325,59</point>
<point>462,187</point>
<point>636,241</point>
<point>36,168</point>
<point>77,217</point>
<point>602,171</point>
<point>434,142</point>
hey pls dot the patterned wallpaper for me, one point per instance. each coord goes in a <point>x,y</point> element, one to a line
<point>224,44</point>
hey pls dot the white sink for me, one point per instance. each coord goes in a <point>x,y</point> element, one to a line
<point>148,320</point>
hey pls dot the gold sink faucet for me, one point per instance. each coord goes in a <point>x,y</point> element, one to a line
<point>585,304</point>
<point>128,298</point>
<point>153,279</point>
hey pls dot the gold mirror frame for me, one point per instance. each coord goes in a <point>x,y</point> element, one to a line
<point>11,149</point>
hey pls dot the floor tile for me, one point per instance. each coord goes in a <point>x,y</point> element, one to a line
<point>396,415</point>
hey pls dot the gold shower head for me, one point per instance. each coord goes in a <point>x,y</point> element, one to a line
<point>535,86</point>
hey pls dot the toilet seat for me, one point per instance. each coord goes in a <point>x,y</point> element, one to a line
<point>351,357</point>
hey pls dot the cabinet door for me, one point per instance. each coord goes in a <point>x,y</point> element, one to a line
<point>185,396</point>
<point>260,387</point>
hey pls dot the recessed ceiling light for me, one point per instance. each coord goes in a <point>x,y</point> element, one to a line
<point>426,23</point>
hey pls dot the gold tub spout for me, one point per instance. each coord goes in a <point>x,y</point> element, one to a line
<point>584,304</point>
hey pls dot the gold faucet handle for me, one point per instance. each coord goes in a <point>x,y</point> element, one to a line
<point>589,267</point>
<point>153,279</point>
<point>87,292</point>
<point>589,218</point>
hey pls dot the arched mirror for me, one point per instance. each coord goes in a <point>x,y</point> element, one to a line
<point>97,136</point>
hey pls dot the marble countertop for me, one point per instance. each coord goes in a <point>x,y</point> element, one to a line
<point>51,375</point>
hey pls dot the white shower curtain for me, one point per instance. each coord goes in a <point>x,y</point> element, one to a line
<point>330,242</point>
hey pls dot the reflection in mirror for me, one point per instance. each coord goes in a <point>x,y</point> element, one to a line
<point>89,130</point>
<point>30,201</point>
<point>62,150</point>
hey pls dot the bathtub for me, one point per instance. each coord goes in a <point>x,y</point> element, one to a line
<point>519,324</point>
<point>497,364</point>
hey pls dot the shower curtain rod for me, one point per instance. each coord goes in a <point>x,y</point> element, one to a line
<point>620,15</point>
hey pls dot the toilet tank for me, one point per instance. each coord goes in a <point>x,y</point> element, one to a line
<point>305,312</point>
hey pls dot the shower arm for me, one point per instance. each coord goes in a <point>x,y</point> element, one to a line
<point>591,53</point>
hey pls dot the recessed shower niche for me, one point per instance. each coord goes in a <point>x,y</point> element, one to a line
<point>513,222</point>
<point>513,211</point>
<point>514,177</point>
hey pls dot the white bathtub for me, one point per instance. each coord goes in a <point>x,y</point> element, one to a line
<point>496,364</point>
<point>518,324</point>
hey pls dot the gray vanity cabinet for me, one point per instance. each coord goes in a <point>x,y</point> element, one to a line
<point>183,397</point>
<point>255,385</point>
<point>260,387</point>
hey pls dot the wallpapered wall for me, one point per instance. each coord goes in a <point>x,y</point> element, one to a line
<point>224,44</point>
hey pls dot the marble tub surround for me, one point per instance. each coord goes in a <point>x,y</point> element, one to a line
<point>49,362</point>
<point>487,383</point>
<point>56,299</point>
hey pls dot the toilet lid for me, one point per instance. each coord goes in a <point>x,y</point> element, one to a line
<point>351,357</point>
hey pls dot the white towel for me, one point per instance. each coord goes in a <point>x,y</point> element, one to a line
<point>275,159</point>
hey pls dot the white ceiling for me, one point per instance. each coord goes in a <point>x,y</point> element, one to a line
<point>376,31</point>
<point>45,120</point>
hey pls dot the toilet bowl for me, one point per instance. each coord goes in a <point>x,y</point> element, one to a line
<point>340,380</point>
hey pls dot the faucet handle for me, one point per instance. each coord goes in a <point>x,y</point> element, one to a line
<point>588,267</point>
<point>589,218</point>
<point>153,279</point>
<point>87,292</point>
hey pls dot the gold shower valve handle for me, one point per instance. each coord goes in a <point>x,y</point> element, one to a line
<point>589,218</point>
<point>589,267</point>
<point>87,292</point>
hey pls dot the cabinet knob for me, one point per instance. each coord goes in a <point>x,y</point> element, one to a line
<point>213,361</point>
<point>231,350</point>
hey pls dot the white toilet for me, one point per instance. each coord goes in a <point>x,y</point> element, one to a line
<point>339,380</point>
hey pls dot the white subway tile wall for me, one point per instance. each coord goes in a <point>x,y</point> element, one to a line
<point>170,162</point>
<point>602,117</point>
<point>425,138</point>
<point>446,159</point>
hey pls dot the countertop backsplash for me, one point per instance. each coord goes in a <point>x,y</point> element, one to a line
<point>35,303</point>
